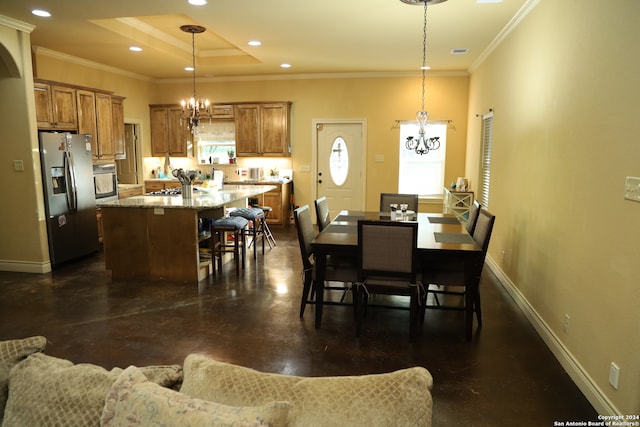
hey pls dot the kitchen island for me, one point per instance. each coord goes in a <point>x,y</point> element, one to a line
<point>157,237</point>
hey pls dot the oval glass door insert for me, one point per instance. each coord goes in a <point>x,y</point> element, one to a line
<point>339,161</point>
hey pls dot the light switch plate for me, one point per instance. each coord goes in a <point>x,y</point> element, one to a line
<point>632,189</point>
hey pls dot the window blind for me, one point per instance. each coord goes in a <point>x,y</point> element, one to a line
<point>485,166</point>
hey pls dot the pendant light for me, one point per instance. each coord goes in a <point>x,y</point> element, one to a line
<point>421,144</point>
<point>194,107</point>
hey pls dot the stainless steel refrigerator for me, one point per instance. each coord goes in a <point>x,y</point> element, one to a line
<point>69,194</point>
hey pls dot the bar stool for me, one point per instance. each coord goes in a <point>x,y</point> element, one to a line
<point>257,217</point>
<point>267,231</point>
<point>219,245</point>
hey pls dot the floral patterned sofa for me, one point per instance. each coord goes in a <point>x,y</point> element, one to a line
<point>41,390</point>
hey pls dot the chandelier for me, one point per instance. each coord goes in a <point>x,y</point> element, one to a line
<point>421,144</point>
<point>193,107</point>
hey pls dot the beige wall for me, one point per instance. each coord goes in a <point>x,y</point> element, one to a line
<point>564,87</point>
<point>22,226</point>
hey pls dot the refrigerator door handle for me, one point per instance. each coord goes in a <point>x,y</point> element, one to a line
<point>70,178</point>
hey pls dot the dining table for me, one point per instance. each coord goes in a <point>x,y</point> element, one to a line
<point>441,238</point>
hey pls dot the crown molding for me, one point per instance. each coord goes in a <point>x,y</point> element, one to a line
<point>315,76</point>
<point>267,77</point>
<point>502,35</point>
<point>86,63</point>
<point>16,25</point>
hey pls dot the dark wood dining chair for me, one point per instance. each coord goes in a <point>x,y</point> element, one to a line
<point>322,213</point>
<point>473,217</point>
<point>386,199</point>
<point>448,279</point>
<point>342,272</point>
<point>387,261</point>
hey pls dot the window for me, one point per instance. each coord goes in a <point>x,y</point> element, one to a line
<point>339,161</point>
<point>422,174</point>
<point>485,160</point>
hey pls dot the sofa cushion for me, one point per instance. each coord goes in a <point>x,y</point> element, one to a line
<point>135,401</point>
<point>400,398</point>
<point>208,379</point>
<point>12,352</point>
<point>47,391</point>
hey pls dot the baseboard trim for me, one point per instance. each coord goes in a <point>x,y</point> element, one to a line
<point>578,374</point>
<point>25,266</point>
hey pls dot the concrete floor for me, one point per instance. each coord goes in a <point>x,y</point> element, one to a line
<point>505,377</point>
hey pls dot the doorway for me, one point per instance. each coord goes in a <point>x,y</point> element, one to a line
<point>128,167</point>
<point>340,159</point>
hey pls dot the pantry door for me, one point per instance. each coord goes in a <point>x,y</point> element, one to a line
<point>340,164</point>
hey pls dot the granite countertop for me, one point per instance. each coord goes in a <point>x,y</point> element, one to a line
<point>125,186</point>
<point>201,199</point>
<point>264,181</point>
<point>234,181</point>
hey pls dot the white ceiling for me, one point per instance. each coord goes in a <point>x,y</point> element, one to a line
<point>329,36</point>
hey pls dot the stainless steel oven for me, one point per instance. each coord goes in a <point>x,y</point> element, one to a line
<point>105,181</point>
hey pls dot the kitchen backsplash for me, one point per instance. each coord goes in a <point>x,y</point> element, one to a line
<point>152,164</point>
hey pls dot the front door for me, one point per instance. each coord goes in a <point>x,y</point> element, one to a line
<point>340,165</point>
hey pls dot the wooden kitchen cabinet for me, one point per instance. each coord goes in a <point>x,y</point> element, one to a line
<point>262,129</point>
<point>278,200</point>
<point>222,112</point>
<point>87,123</point>
<point>169,132</point>
<point>89,111</point>
<point>55,106</point>
<point>105,147</point>
<point>150,186</point>
<point>117,117</point>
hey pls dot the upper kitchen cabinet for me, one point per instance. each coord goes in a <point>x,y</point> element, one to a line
<point>89,111</point>
<point>222,112</point>
<point>117,117</point>
<point>87,124</point>
<point>55,106</point>
<point>169,132</point>
<point>105,147</point>
<point>101,115</point>
<point>262,129</point>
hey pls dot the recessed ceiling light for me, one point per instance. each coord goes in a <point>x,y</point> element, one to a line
<point>459,51</point>
<point>254,43</point>
<point>189,68</point>
<point>197,2</point>
<point>285,65</point>
<point>135,48</point>
<point>41,13</point>
<point>426,67</point>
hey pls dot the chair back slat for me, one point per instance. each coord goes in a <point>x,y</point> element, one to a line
<point>322,212</point>
<point>387,199</point>
<point>387,248</point>
<point>306,233</point>
<point>483,229</point>
<point>473,217</point>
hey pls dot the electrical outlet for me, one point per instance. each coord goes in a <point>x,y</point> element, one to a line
<point>614,375</point>
<point>565,325</point>
<point>18,165</point>
<point>632,189</point>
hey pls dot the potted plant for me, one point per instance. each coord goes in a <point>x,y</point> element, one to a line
<point>231,154</point>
